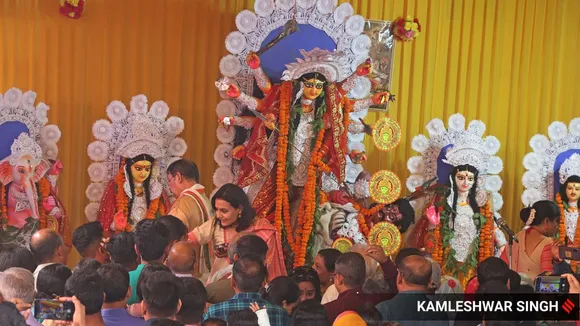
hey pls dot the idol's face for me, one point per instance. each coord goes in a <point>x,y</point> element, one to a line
<point>312,88</point>
<point>23,170</point>
<point>140,171</point>
<point>464,181</point>
<point>573,191</point>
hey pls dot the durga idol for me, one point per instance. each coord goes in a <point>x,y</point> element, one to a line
<point>127,185</point>
<point>299,134</point>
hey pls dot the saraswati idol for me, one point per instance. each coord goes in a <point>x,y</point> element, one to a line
<point>28,170</point>
<point>457,228</point>
<point>131,154</point>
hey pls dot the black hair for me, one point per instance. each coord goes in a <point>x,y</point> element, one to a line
<point>281,289</point>
<point>86,235</point>
<point>164,322</point>
<point>121,248</point>
<point>352,267</point>
<point>250,244</point>
<point>515,281</point>
<point>249,273</point>
<point>329,255</point>
<point>214,321</point>
<point>562,190</point>
<point>236,197</point>
<point>146,271</point>
<point>193,301</point>
<point>544,209</point>
<point>406,252</point>
<point>161,292</point>
<point>418,273</point>
<point>309,313</point>
<point>87,286</point>
<point>244,317</point>
<point>492,287</point>
<point>492,268</point>
<point>51,281</point>
<point>177,230</point>
<point>128,164</point>
<point>16,256</point>
<point>44,248</point>
<point>152,239</point>
<point>472,192</point>
<point>88,263</point>
<point>370,314</point>
<point>307,274</point>
<point>188,169</point>
<point>115,282</point>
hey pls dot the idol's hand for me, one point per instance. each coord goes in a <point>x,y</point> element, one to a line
<point>383,97</point>
<point>357,157</point>
<point>253,60</point>
<point>365,68</point>
<point>239,151</point>
<point>49,203</point>
<point>233,91</point>
<point>270,121</point>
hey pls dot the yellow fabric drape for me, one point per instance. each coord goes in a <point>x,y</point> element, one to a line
<point>509,63</point>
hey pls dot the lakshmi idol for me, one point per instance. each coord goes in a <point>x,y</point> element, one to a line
<point>553,173</point>
<point>458,228</point>
<point>28,170</point>
<point>131,155</point>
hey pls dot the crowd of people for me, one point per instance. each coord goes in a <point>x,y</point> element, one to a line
<point>153,275</point>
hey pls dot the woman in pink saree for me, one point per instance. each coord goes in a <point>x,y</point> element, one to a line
<point>537,248</point>
<point>235,214</point>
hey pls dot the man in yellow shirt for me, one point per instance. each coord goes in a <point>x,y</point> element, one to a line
<point>192,206</point>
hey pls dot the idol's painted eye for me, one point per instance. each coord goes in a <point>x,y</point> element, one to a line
<point>308,85</point>
<point>470,179</point>
<point>319,86</point>
<point>21,170</point>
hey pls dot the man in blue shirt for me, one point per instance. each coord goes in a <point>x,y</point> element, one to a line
<point>117,292</point>
<point>248,277</point>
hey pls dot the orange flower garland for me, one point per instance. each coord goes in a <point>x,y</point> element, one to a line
<point>562,226</point>
<point>3,216</point>
<point>486,238</point>
<point>308,204</point>
<point>44,190</point>
<point>282,212</point>
<point>363,213</point>
<point>438,252</point>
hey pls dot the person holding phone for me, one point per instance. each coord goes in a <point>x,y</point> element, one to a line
<point>536,249</point>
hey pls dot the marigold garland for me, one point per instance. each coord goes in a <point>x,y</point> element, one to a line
<point>282,212</point>
<point>44,191</point>
<point>363,213</point>
<point>562,226</point>
<point>486,238</point>
<point>3,203</point>
<point>308,204</point>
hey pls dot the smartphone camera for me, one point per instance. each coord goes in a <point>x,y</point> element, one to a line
<point>552,284</point>
<point>53,309</point>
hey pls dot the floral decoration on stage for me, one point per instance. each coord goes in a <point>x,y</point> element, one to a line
<point>72,8</point>
<point>406,29</point>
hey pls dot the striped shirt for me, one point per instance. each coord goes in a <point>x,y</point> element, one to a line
<point>278,316</point>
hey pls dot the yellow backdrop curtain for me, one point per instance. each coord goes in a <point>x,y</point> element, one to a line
<point>508,63</point>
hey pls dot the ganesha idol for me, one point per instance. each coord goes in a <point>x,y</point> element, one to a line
<point>29,174</point>
<point>131,154</point>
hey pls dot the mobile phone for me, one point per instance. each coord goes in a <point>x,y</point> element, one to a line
<point>569,253</point>
<point>53,309</point>
<point>552,284</point>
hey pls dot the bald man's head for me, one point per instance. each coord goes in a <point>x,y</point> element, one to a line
<point>415,271</point>
<point>181,258</point>
<point>47,246</point>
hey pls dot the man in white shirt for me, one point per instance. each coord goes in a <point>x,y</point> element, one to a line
<point>48,248</point>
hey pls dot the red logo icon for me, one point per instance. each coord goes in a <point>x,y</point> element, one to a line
<point>568,305</point>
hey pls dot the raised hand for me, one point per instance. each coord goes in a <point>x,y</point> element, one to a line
<point>226,121</point>
<point>270,122</point>
<point>377,253</point>
<point>253,60</point>
<point>365,68</point>
<point>383,97</point>
<point>357,157</point>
